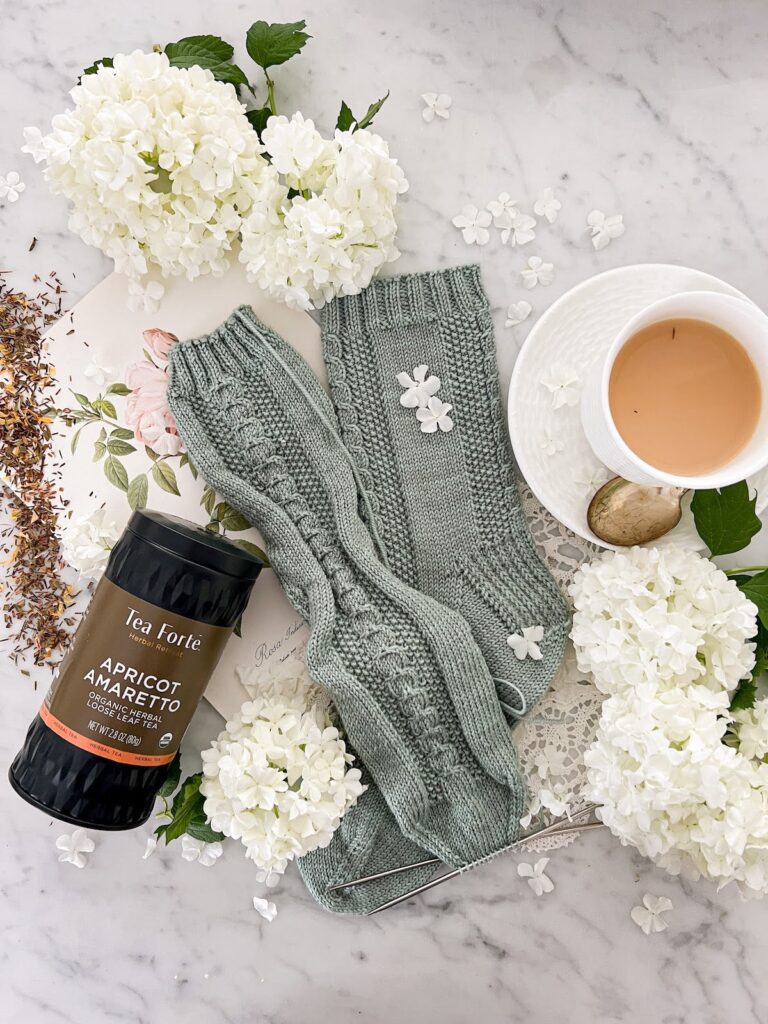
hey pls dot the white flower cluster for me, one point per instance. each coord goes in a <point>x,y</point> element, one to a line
<point>677,774</point>
<point>160,164</point>
<point>278,776</point>
<point>86,541</point>
<point>327,224</point>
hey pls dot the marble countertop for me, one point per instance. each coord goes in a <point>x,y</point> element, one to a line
<point>654,111</point>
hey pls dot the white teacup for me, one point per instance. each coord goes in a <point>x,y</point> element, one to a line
<point>743,320</point>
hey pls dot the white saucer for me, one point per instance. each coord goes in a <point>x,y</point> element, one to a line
<point>573,333</point>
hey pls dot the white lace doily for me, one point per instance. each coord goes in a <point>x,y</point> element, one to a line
<point>552,739</point>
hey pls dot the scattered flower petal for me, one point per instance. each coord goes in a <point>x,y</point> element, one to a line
<point>593,478</point>
<point>98,374</point>
<point>547,205</point>
<point>517,312</point>
<point>537,272</point>
<point>11,186</point>
<point>648,916</point>
<point>474,225</point>
<point>563,384</point>
<point>527,645</point>
<point>150,848</point>
<point>504,206</point>
<point>145,297</point>
<point>268,878</point>
<point>266,908</point>
<point>516,228</point>
<point>74,847</point>
<point>196,850</point>
<point>540,882</point>
<point>436,105</point>
<point>551,445</point>
<point>419,388</point>
<point>604,229</point>
<point>435,415</point>
<point>86,542</point>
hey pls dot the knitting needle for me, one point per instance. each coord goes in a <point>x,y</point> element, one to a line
<point>458,871</point>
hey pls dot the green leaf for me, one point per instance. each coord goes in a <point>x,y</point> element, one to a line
<point>233,520</point>
<point>725,519</point>
<point>138,491</point>
<point>269,45</point>
<point>372,111</point>
<point>115,472</point>
<point>164,477</point>
<point>102,62</point>
<point>212,527</point>
<point>75,439</point>
<point>103,405</point>
<point>99,450</point>
<point>122,432</point>
<point>209,52</point>
<point>746,693</point>
<point>118,389</point>
<point>117,447</point>
<point>187,814</point>
<point>208,499</point>
<point>150,454</point>
<point>756,589</point>
<point>258,119</point>
<point>346,118</point>
<point>744,696</point>
<point>83,401</point>
<point>252,549</point>
<point>172,779</point>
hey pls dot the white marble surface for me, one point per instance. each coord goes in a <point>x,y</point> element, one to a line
<point>657,111</point>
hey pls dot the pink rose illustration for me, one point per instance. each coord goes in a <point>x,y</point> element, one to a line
<point>159,342</point>
<point>146,408</point>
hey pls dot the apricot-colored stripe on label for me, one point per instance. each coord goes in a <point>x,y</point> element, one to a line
<point>101,749</point>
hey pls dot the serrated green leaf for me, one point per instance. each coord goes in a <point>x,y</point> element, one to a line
<point>103,405</point>
<point>744,696</point>
<point>756,589</point>
<point>99,450</point>
<point>187,814</point>
<point>164,477</point>
<point>209,52</point>
<point>115,472</point>
<point>138,491</point>
<point>725,519</point>
<point>117,447</point>
<point>168,788</point>
<point>270,45</point>
<point>122,432</point>
<point>118,388</point>
<point>258,119</point>
<point>252,549</point>
<point>372,111</point>
<point>346,118</point>
<point>102,62</point>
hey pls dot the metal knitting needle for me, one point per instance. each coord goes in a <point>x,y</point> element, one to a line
<point>586,827</point>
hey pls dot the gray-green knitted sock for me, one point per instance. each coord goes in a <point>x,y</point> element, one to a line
<point>411,687</point>
<point>445,504</point>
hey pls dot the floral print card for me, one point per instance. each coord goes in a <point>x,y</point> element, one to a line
<point>120,450</point>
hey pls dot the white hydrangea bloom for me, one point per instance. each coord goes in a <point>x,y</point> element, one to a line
<point>332,237</point>
<point>86,541</point>
<point>278,776</point>
<point>675,772</point>
<point>160,164</point>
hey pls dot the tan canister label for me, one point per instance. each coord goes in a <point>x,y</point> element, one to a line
<point>133,676</point>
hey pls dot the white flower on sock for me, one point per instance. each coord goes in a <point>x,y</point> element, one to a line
<point>537,879</point>
<point>435,415</point>
<point>527,645</point>
<point>419,388</point>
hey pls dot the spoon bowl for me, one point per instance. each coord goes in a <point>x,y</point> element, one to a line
<point>623,513</point>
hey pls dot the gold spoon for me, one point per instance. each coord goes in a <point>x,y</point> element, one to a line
<point>624,513</point>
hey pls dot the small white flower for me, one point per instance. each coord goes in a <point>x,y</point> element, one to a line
<point>537,272</point>
<point>435,415</point>
<point>150,848</point>
<point>205,853</point>
<point>563,384</point>
<point>551,444</point>
<point>474,225</point>
<point>266,908</point>
<point>517,312</point>
<point>648,917</point>
<point>11,186</point>
<point>504,206</point>
<point>435,105</point>
<point>97,374</point>
<point>527,645</point>
<point>419,388</point>
<point>268,878</point>
<point>145,297</point>
<point>592,478</point>
<point>86,542</point>
<point>74,847</point>
<point>604,229</point>
<point>516,228</point>
<point>537,879</point>
<point>547,205</point>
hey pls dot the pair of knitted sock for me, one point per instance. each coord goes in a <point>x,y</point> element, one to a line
<point>406,552</point>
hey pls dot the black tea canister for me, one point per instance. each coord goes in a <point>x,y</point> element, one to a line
<point>113,719</point>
